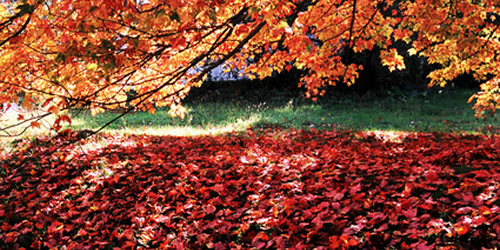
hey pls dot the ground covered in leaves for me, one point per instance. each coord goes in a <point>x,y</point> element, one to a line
<point>276,189</point>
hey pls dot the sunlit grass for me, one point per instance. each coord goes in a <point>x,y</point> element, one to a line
<point>447,111</point>
<point>239,125</point>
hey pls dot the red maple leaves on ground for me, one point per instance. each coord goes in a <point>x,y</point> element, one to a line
<point>272,190</point>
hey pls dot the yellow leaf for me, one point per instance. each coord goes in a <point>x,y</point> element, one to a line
<point>283,24</point>
<point>197,84</point>
<point>392,60</point>
<point>412,51</point>
<point>177,111</point>
<point>94,207</point>
<point>91,66</point>
<point>3,10</point>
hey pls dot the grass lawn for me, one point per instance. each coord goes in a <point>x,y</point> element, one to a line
<point>413,173</point>
<point>445,111</point>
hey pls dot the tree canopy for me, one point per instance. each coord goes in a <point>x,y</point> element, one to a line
<point>63,54</point>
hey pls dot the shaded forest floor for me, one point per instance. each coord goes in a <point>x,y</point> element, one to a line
<point>260,189</point>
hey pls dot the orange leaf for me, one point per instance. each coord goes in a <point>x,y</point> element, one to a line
<point>353,242</point>
<point>35,124</point>
<point>463,230</point>
<point>66,119</point>
<point>27,102</point>
<point>484,210</point>
<point>54,109</point>
<point>242,29</point>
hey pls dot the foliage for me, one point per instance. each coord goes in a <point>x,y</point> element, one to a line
<point>70,54</point>
<point>267,190</point>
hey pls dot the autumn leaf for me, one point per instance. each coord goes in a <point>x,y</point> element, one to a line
<point>65,118</point>
<point>410,213</point>
<point>28,102</point>
<point>463,230</point>
<point>392,60</point>
<point>35,124</point>
<point>54,109</point>
<point>209,209</point>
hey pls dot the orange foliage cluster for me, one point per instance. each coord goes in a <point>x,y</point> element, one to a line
<point>90,54</point>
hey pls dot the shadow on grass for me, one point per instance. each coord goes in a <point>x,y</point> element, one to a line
<point>442,112</point>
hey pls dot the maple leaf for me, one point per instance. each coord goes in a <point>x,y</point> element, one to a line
<point>463,230</point>
<point>209,209</point>
<point>35,124</point>
<point>409,213</point>
<point>392,59</point>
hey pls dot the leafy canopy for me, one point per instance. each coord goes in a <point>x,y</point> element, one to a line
<point>63,54</point>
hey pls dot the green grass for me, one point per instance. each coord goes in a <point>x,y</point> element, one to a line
<point>444,111</point>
